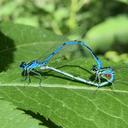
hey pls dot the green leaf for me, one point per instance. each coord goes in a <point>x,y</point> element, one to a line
<point>10,117</point>
<point>112,32</point>
<point>72,106</point>
<point>123,1</point>
<point>8,8</point>
<point>67,103</point>
<point>14,38</point>
<point>33,21</point>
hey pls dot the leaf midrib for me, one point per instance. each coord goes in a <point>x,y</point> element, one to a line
<point>73,87</point>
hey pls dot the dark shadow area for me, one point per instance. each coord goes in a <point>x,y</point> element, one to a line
<point>7,49</point>
<point>120,47</point>
<point>46,122</point>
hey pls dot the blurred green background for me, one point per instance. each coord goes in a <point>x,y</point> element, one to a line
<point>102,23</point>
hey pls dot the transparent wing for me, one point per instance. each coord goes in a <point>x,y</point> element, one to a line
<point>69,53</point>
<point>72,59</point>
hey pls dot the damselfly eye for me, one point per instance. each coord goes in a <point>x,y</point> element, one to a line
<point>22,65</point>
<point>94,68</point>
<point>108,76</point>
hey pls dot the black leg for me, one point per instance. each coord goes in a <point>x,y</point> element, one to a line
<point>25,76</point>
<point>29,79</point>
<point>38,75</point>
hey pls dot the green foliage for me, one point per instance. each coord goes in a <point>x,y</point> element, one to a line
<point>10,44</point>
<point>116,57</point>
<point>62,102</point>
<point>111,33</point>
<point>60,16</point>
<point>73,18</point>
<point>123,1</point>
<point>10,117</point>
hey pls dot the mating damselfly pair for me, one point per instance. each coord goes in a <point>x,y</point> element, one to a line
<point>103,75</point>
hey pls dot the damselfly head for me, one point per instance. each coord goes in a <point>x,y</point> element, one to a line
<point>108,74</point>
<point>94,68</point>
<point>22,65</point>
